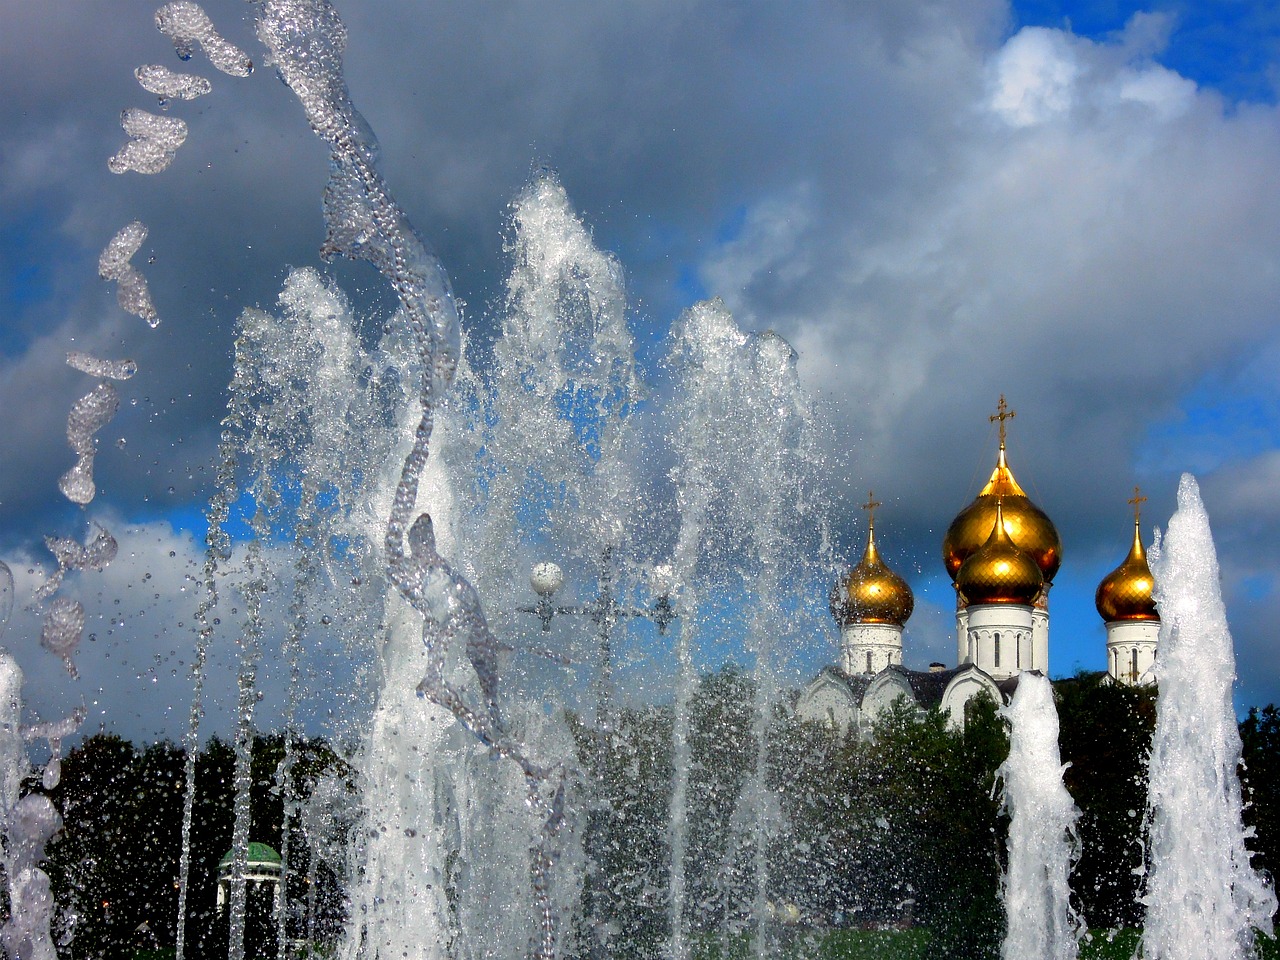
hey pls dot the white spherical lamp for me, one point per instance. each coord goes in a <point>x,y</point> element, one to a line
<point>662,578</point>
<point>546,578</point>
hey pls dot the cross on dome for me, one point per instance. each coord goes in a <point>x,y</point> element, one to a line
<point>1003,413</point>
<point>1137,500</point>
<point>870,507</point>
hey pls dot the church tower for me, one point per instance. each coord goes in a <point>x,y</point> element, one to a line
<point>871,606</point>
<point>1000,584</point>
<point>1124,601</point>
<point>1031,531</point>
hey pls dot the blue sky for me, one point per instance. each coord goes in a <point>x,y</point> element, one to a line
<point>1229,45</point>
<point>1073,204</point>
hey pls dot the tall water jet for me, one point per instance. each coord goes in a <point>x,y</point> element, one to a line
<point>537,460</point>
<point>1203,897</point>
<point>750,515</point>
<point>1043,845</point>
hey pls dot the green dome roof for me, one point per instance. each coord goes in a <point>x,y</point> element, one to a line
<point>258,853</point>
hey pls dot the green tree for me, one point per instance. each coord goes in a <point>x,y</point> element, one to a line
<point>1104,736</point>
<point>939,801</point>
<point>114,868</point>
<point>1260,773</point>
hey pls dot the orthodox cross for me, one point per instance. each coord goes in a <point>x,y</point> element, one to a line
<point>1004,414</point>
<point>870,507</point>
<point>1137,500</point>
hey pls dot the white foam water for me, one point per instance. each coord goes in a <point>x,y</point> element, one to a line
<point>114,264</point>
<point>153,142</point>
<point>1203,897</point>
<point>1043,844</point>
<point>170,85</point>
<point>26,822</point>
<point>186,25</point>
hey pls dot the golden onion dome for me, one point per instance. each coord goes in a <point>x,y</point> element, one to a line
<point>1027,525</point>
<point>871,593</point>
<point>999,571</point>
<point>1125,593</point>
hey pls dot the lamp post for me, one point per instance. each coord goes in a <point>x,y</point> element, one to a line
<point>604,610</point>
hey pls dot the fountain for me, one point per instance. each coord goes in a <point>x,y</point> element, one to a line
<point>459,767</point>
<point>1043,844</point>
<point>1204,899</point>
<point>428,491</point>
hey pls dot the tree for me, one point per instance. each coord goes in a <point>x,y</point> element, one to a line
<point>1260,773</point>
<point>1105,732</point>
<point>115,865</point>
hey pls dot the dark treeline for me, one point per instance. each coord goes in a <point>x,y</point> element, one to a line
<point>114,868</point>
<point>902,829</point>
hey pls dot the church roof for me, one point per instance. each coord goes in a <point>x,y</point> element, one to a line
<point>856,683</point>
<point>1000,571</point>
<point>1126,592</point>
<point>871,592</point>
<point>1027,525</point>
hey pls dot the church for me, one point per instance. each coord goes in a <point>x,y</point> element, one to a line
<point>1001,553</point>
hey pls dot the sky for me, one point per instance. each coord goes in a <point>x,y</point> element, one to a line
<point>1072,204</point>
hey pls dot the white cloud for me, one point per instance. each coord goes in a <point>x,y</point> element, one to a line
<point>1164,91</point>
<point>1035,77</point>
<point>138,648</point>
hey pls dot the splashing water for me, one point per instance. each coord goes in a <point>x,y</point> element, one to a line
<point>541,457</point>
<point>167,84</point>
<point>98,367</point>
<point>186,25</point>
<point>746,494</point>
<point>26,822</point>
<point>1043,844</point>
<point>132,291</point>
<point>1204,899</point>
<point>88,415</point>
<point>153,142</point>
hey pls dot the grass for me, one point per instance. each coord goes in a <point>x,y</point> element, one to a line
<point>800,944</point>
<point>912,945</point>
<point>1121,944</point>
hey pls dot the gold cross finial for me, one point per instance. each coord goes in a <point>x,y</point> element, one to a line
<point>1004,414</point>
<point>870,507</point>
<point>1137,500</point>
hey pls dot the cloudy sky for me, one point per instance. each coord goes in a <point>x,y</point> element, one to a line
<point>1074,204</point>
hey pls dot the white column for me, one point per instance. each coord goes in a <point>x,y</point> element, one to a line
<point>1131,648</point>
<point>996,632</point>
<point>870,647</point>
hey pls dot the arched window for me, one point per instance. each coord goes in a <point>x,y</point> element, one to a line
<point>997,640</point>
<point>868,661</point>
<point>1135,665</point>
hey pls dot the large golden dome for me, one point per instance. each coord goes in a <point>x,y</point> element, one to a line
<point>1027,525</point>
<point>999,571</point>
<point>871,593</point>
<point>1125,592</point>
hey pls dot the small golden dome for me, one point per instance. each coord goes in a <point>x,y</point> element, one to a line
<point>998,571</point>
<point>871,593</point>
<point>1027,525</point>
<point>1125,592</point>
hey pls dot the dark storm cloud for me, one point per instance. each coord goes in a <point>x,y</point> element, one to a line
<point>934,212</point>
<point>663,119</point>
